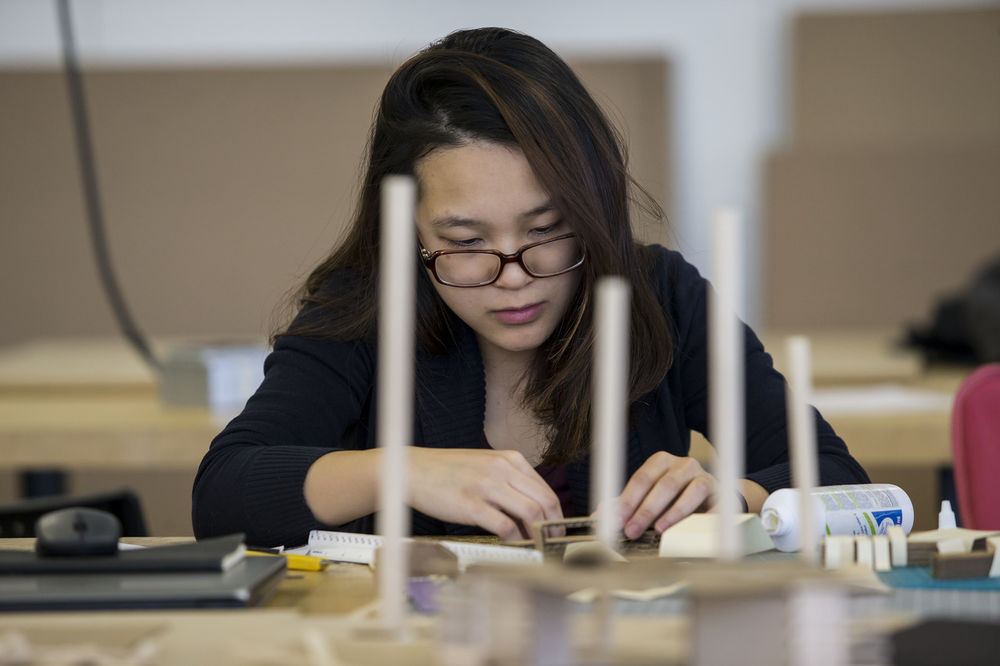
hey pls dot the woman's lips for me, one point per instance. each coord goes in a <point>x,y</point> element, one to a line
<point>524,315</point>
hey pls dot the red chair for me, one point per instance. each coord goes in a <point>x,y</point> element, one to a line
<point>975,442</point>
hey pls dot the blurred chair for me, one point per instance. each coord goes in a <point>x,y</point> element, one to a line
<point>975,441</point>
<point>18,519</point>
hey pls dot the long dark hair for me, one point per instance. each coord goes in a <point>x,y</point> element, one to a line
<point>501,86</point>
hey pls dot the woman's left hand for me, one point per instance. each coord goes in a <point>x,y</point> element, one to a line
<point>665,489</point>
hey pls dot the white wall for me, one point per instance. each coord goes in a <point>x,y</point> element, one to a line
<point>728,58</point>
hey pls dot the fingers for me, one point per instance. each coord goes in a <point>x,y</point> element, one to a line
<point>534,486</point>
<point>496,490</point>
<point>639,485</point>
<point>524,496</point>
<point>669,488</point>
<point>496,521</point>
<point>699,492</point>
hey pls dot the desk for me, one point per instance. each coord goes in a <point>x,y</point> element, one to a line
<point>90,407</point>
<point>339,590</point>
<point>92,404</point>
<point>908,448</point>
<point>331,604</point>
<point>870,357</point>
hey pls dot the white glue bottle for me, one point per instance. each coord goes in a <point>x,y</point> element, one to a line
<point>862,510</point>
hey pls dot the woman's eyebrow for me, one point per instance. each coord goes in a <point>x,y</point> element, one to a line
<point>452,221</point>
<point>546,207</point>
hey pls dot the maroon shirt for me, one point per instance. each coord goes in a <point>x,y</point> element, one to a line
<point>557,478</point>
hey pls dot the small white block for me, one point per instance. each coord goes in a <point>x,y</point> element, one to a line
<point>897,542</point>
<point>847,551</point>
<point>698,536</point>
<point>865,550</point>
<point>880,550</point>
<point>953,546</point>
<point>839,551</point>
<point>831,553</point>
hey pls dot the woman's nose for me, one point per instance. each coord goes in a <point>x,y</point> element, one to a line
<point>512,276</point>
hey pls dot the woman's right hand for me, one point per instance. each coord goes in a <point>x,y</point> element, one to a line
<point>498,491</point>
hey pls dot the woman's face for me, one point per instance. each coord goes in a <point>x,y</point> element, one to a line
<point>484,196</point>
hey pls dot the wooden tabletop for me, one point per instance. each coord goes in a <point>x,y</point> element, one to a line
<point>102,430</point>
<point>340,589</point>
<point>92,403</point>
<point>74,365</point>
<point>335,608</point>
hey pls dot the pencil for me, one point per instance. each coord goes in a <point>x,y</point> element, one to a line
<point>305,562</point>
<point>296,562</point>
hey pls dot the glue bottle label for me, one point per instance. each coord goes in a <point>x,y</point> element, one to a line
<point>864,510</point>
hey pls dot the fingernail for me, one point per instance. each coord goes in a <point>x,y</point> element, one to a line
<point>632,530</point>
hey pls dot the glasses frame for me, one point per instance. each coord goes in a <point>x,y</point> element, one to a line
<point>429,259</point>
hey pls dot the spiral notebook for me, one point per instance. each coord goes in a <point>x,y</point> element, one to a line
<point>360,549</point>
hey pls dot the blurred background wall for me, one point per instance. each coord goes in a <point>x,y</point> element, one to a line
<point>228,136</point>
<point>860,140</point>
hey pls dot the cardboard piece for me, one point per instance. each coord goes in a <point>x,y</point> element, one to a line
<point>954,561</point>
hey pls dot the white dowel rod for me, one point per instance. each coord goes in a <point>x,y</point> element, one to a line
<point>726,373</point>
<point>610,404</point>
<point>395,391</point>
<point>802,432</point>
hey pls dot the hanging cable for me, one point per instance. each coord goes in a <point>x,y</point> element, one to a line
<point>88,176</point>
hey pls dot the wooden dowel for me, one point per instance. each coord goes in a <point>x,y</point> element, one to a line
<point>802,435</point>
<point>610,406</point>
<point>726,372</point>
<point>395,391</point>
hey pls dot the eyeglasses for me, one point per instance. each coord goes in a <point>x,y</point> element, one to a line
<point>478,268</point>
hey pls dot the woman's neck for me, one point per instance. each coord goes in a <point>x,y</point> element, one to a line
<point>509,424</point>
<point>505,367</point>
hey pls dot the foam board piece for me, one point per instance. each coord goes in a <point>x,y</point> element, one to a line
<point>839,551</point>
<point>952,546</point>
<point>934,536</point>
<point>881,552</point>
<point>897,543</point>
<point>865,551</point>
<point>698,536</point>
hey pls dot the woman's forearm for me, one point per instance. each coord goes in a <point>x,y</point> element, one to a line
<point>753,493</point>
<point>343,485</point>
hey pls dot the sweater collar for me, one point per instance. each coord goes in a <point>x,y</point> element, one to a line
<point>451,394</point>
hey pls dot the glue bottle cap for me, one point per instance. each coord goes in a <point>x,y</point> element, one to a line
<point>946,517</point>
<point>772,522</point>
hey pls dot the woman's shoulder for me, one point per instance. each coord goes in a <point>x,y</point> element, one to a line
<point>673,277</point>
<point>332,309</point>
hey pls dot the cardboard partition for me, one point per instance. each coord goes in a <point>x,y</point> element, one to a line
<point>222,188</point>
<point>899,77</point>
<point>870,237</point>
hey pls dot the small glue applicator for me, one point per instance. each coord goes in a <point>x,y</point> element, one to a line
<point>946,517</point>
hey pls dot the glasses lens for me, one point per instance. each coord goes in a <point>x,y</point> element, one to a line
<point>553,257</point>
<point>467,268</point>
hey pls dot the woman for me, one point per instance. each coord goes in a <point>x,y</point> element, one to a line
<point>523,203</point>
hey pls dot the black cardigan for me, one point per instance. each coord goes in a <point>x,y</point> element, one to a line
<point>318,396</point>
